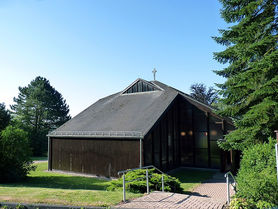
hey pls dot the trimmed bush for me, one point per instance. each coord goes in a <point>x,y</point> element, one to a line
<point>256,179</point>
<point>171,184</point>
<point>241,203</point>
<point>15,162</point>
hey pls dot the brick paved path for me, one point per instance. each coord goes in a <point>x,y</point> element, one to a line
<point>210,194</point>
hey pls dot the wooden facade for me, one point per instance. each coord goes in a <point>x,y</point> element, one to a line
<point>104,157</point>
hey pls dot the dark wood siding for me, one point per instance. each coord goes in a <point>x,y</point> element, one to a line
<point>103,157</point>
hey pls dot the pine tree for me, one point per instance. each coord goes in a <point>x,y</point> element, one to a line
<point>4,117</point>
<point>251,89</point>
<point>38,109</point>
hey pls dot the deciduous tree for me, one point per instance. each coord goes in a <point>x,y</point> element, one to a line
<point>200,92</point>
<point>15,152</point>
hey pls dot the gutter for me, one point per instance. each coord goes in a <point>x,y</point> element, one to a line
<point>96,134</point>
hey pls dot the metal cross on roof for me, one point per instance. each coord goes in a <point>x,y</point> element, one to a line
<point>154,72</point>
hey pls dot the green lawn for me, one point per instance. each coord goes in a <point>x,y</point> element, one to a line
<point>55,188</point>
<point>190,178</point>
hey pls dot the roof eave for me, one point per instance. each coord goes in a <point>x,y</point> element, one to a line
<point>93,136</point>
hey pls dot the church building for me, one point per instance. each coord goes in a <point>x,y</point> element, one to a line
<point>148,123</point>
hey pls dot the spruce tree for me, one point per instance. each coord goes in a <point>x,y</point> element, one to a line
<point>39,108</point>
<point>250,92</point>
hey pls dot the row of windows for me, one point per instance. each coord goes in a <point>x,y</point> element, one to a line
<point>198,144</point>
<point>196,147</point>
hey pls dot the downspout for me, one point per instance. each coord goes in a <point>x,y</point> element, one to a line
<point>141,154</point>
<point>276,151</point>
<point>49,155</point>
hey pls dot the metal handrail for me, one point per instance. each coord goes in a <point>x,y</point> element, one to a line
<point>123,172</point>
<point>133,169</point>
<point>231,174</point>
<point>145,167</point>
<point>228,185</point>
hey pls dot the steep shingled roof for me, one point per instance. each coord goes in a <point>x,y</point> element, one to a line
<point>124,115</point>
<point>119,115</point>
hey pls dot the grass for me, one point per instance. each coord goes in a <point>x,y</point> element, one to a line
<point>190,178</point>
<point>56,188</point>
<point>38,158</point>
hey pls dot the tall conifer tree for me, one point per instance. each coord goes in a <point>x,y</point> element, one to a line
<point>4,117</point>
<point>251,89</point>
<point>39,108</point>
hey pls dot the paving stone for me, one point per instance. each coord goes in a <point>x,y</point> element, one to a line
<point>210,194</point>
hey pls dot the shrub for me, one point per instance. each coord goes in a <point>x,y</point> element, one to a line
<point>263,204</point>
<point>256,179</point>
<point>241,203</point>
<point>171,184</point>
<point>15,162</point>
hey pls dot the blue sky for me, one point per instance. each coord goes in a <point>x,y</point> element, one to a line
<point>90,49</point>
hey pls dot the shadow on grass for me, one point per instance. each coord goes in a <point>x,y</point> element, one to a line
<point>61,182</point>
<point>38,158</point>
<point>43,179</point>
<point>190,177</point>
<point>39,178</point>
<point>186,175</point>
